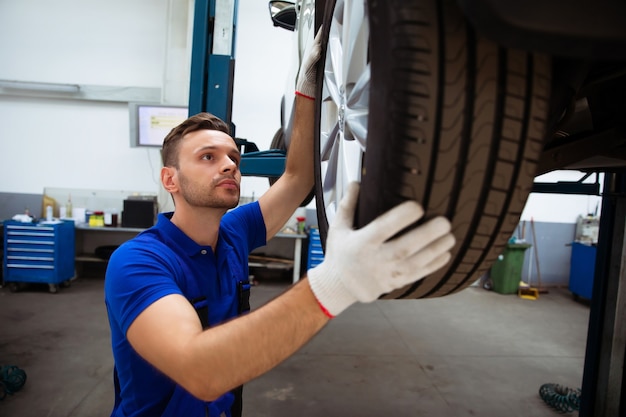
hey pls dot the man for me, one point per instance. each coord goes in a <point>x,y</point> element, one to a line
<point>173,291</point>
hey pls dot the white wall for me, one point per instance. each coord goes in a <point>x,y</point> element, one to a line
<point>68,142</point>
<point>113,42</point>
<point>73,143</point>
<point>561,208</point>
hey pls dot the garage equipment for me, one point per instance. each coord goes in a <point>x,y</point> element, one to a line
<point>12,379</point>
<point>527,292</point>
<point>38,253</point>
<point>212,80</point>
<point>560,398</point>
<point>582,265</point>
<point>316,252</point>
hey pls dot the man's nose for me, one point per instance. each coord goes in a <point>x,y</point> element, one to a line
<point>228,165</point>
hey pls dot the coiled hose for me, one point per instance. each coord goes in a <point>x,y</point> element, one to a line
<point>12,379</point>
<point>560,398</point>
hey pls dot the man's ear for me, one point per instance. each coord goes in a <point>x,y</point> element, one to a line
<point>169,179</point>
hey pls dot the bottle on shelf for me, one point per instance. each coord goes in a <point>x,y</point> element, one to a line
<point>68,207</point>
<point>110,217</point>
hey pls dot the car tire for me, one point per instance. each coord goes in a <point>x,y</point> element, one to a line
<point>454,122</point>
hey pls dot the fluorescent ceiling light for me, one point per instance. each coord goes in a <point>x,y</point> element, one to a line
<point>35,86</point>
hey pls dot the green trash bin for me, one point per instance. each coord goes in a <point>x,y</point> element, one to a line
<point>506,273</point>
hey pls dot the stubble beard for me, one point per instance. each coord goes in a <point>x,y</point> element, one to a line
<point>200,195</point>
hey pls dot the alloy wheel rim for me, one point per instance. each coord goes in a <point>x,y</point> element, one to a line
<point>344,102</point>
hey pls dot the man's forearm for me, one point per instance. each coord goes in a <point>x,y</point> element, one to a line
<point>296,183</point>
<point>300,155</point>
<point>247,347</point>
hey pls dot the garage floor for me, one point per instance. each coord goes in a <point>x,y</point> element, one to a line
<point>477,353</point>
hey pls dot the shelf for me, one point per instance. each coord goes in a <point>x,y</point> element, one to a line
<point>83,226</point>
<point>88,257</point>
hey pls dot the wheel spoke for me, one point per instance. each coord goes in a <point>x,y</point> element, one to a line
<point>356,122</point>
<point>355,41</point>
<point>331,80</point>
<point>329,185</point>
<point>345,102</point>
<point>334,74</point>
<point>357,108</point>
<point>328,143</point>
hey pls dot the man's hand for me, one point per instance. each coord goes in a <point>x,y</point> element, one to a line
<point>307,76</point>
<point>361,265</point>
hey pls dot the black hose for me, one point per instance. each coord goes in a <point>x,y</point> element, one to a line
<point>560,398</point>
<point>12,379</point>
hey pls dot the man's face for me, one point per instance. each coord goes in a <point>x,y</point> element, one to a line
<point>208,171</point>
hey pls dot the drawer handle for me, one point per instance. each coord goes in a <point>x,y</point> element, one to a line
<point>29,242</point>
<point>29,258</point>
<point>30,234</point>
<point>33,250</point>
<point>44,228</point>
<point>25,266</point>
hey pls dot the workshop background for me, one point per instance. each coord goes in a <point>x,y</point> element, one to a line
<point>120,52</point>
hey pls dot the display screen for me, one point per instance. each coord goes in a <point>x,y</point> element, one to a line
<point>150,123</point>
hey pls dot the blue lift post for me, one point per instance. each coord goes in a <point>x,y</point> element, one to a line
<point>212,79</point>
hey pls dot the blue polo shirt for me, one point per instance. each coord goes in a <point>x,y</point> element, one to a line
<point>161,261</point>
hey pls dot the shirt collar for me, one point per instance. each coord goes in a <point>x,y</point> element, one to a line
<point>177,237</point>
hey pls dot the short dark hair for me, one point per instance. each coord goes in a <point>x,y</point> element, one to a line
<point>200,121</point>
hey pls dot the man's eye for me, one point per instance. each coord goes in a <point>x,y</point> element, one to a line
<point>208,157</point>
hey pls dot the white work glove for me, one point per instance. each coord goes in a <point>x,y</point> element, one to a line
<point>361,265</point>
<point>306,84</point>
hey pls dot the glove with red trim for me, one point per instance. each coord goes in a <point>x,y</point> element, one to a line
<point>361,265</point>
<point>306,84</point>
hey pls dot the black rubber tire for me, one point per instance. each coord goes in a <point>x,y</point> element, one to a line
<point>455,123</point>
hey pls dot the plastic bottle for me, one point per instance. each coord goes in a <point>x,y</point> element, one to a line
<point>49,213</point>
<point>110,217</point>
<point>68,207</point>
<point>97,219</point>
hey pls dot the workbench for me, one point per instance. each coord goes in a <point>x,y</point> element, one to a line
<point>88,238</point>
<point>297,252</point>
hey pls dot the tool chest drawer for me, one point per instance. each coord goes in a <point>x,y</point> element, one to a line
<point>38,252</point>
<point>316,252</point>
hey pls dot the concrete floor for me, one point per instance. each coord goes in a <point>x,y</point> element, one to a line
<point>477,353</point>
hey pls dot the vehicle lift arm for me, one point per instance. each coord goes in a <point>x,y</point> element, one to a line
<point>212,80</point>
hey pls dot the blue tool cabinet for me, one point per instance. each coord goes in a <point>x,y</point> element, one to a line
<point>316,253</point>
<point>582,269</point>
<point>38,253</point>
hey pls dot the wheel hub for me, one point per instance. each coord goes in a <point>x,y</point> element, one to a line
<point>341,114</point>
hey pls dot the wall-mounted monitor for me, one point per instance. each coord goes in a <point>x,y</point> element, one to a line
<point>150,123</point>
